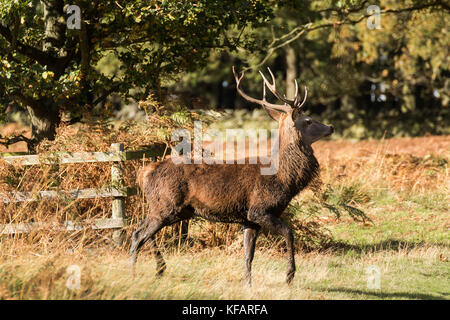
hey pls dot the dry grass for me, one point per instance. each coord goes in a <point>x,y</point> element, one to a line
<point>400,164</point>
<point>415,273</point>
<point>401,185</point>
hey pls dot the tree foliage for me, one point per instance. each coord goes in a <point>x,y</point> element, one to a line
<point>48,69</point>
<point>393,79</point>
<point>367,77</point>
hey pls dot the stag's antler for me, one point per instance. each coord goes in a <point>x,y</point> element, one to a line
<point>289,105</point>
<point>263,102</point>
<point>295,103</point>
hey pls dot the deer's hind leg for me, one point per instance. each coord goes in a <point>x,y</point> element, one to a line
<point>145,232</point>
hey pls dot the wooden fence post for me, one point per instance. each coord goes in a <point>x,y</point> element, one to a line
<point>118,203</point>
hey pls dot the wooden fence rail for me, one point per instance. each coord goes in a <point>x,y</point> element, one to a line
<point>118,191</point>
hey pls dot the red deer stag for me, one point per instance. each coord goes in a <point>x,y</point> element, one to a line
<point>235,193</point>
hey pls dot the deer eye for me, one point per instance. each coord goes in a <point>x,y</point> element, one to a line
<point>308,122</point>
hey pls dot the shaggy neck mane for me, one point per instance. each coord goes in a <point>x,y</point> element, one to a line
<point>297,166</point>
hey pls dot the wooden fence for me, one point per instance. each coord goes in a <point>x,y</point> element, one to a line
<point>118,191</point>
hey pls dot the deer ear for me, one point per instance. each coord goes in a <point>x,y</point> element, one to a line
<point>274,114</point>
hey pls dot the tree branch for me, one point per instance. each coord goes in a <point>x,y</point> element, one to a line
<point>295,33</point>
<point>84,49</point>
<point>7,141</point>
<point>106,94</point>
<point>27,101</point>
<point>55,64</point>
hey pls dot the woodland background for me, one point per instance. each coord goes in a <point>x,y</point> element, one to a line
<point>137,70</point>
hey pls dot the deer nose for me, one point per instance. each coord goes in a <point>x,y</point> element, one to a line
<point>331,129</point>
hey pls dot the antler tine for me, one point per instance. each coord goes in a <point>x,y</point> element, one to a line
<point>304,99</point>
<point>264,91</point>
<point>289,104</point>
<point>296,89</point>
<point>293,103</point>
<point>274,82</point>
<point>263,102</point>
<point>272,87</point>
<point>238,82</point>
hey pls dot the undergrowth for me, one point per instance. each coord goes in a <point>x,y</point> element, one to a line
<point>353,185</point>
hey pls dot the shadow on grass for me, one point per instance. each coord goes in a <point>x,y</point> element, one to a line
<point>386,245</point>
<point>355,213</point>
<point>389,295</point>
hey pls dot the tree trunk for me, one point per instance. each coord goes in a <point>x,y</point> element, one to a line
<point>291,71</point>
<point>44,118</point>
<point>44,114</point>
<point>55,27</point>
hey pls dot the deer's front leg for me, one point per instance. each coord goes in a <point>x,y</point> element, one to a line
<point>250,236</point>
<point>275,225</point>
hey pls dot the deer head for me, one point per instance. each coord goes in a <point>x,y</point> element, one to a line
<point>294,125</point>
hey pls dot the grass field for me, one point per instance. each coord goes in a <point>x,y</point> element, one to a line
<point>400,185</point>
